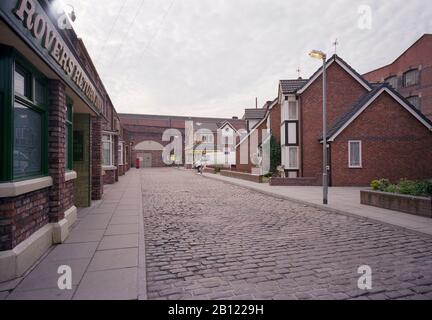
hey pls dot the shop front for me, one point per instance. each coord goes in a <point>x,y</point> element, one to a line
<point>52,113</point>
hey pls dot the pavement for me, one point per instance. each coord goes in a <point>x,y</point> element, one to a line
<point>172,234</point>
<point>344,200</point>
<point>105,251</point>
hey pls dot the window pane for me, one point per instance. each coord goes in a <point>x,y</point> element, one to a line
<point>411,78</point>
<point>292,133</point>
<point>39,92</point>
<point>293,158</point>
<point>285,111</point>
<point>354,154</point>
<point>27,141</point>
<point>19,83</point>
<point>106,153</point>
<point>292,111</point>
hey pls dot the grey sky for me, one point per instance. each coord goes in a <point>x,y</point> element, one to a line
<point>212,57</point>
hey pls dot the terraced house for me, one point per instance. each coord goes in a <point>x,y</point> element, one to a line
<point>374,132</point>
<point>60,136</point>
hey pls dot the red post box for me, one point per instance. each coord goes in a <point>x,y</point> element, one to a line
<point>137,163</point>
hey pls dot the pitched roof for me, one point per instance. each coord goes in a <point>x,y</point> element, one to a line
<point>366,100</point>
<point>254,113</point>
<point>291,86</point>
<point>344,65</point>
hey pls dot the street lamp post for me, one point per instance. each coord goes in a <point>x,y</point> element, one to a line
<point>322,56</point>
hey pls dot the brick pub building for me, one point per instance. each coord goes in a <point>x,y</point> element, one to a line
<point>60,136</point>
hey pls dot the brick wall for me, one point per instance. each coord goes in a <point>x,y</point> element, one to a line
<point>241,175</point>
<point>395,145</point>
<point>21,216</point>
<point>419,55</point>
<point>82,190</point>
<point>109,177</point>
<point>343,91</point>
<point>274,181</point>
<point>56,148</point>
<point>96,158</point>
<point>276,122</point>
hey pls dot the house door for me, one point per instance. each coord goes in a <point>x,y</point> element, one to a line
<point>147,160</point>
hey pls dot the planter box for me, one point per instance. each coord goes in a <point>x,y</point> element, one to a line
<point>419,206</point>
<point>241,175</point>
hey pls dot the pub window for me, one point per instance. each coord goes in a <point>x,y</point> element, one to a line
<point>120,153</point>
<point>27,152</point>
<point>107,150</point>
<point>69,137</point>
<point>411,78</point>
<point>415,101</point>
<point>29,125</point>
<point>392,81</point>
<point>354,154</point>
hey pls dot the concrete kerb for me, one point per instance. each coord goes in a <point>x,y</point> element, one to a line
<point>315,205</point>
<point>142,270</point>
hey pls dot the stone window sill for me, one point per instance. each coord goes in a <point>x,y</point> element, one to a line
<point>70,175</point>
<point>108,168</point>
<point>14,189</point>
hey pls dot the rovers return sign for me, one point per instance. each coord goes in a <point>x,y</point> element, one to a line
<point>43,31</point>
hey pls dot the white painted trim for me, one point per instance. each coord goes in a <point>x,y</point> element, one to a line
<point>14,189</point>
<point>70,175</point>
<point>360,154</point>
<point>371,100</point>
<point>288,159</point>
<point>312,80</point>
<point>109,168</point>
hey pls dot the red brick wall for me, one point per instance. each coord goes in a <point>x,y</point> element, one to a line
<point>241,175</point>
<point>276,122</point>
<point>109,177</point>
<point>21,216</point>
<point>418,55</point>
<point>96,158</point>
<point>56,148</point>
<point>343,91</point>
<point>395,145</point>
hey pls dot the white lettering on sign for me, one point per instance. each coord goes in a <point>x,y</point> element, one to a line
<point>42,30</point>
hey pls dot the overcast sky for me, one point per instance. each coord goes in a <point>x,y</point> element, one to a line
<point>213,57</point>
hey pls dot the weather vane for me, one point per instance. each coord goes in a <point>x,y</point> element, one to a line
<point>336,43</point>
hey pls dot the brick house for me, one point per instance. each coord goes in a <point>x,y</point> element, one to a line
<point>410,74</point>
<point>363,143</point>
<point>54,113</point>
<point>251,144</point>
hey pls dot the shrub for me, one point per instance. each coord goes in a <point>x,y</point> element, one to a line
<point>408,187</point>
<point>380,185</point>
<point>218,168</point>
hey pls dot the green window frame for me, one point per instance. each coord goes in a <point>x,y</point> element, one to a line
<point>69,135</point>
<point>31,105</point>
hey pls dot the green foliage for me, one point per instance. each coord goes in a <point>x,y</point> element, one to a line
<point>380,185</point>
<point>218,168</point>
<point>275,154</point>
<point>408,187</point>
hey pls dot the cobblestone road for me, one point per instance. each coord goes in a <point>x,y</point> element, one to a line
<point>209,240</point>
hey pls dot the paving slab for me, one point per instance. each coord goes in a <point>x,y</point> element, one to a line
<point>118,229</point>
<point>43,294</point>
<point>119,242</point>
<point>114,259</point>
<point>82,235</point>
<point>72,251</point>
<point>119,284</point>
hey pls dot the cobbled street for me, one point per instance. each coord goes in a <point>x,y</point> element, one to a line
<point>206,239</point>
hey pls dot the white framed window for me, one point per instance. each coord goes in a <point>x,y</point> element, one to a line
<point>291,158</point>
<point>354,154</point>
<point>120,153</point>
<point>107,150</point>
<point>289,110</point>
<point>393,81</point>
